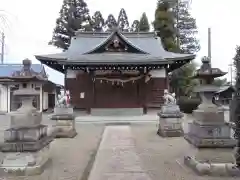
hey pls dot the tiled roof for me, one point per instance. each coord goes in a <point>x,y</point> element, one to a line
<point>83,43</point>
<point>6,70</point>
<point>225,88</point>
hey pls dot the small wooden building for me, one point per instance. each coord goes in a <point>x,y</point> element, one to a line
<point>14,75</point>
<point>225,94</point>
<point>115,69</point>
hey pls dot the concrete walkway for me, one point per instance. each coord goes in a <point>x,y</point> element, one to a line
<point>116,158</point>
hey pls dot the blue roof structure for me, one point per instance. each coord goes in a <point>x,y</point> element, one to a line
<point>6,70</point>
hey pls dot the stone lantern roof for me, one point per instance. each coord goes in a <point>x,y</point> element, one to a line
<point>206,71</point>
<point>27,72</point>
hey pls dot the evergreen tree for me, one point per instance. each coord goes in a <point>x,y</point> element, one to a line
<point>123,24</point>
<point>181,82</point>
<point>220,82</point>
<point>97,22</point>
<point>235,104</point>
<point>166,18</point>
<point>135,26</point>
<point>187,28</point>
<point>235,60</point>
<point>144,24</point>
<point>74,15</point>
<point>164,25</point>
<point>110,23</point>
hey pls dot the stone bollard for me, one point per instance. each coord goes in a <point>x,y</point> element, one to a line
<point>170,121</point>
<point>65,122</point>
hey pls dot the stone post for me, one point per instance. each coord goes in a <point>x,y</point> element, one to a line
<point>170,121</point>
<point>26,143</point>
<point>65,120</point>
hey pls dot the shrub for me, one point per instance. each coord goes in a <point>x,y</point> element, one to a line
<point>187,105</point>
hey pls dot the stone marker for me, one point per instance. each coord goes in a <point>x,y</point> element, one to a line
<point>211,145</point>
<point>26,143</point>
<point>65,119</point>
<point>170,118</point>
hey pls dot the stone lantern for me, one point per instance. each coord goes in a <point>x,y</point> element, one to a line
<point>26,142</point>
<point>211,144</point>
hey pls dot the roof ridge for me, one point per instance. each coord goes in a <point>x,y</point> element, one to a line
<point>106,34</point>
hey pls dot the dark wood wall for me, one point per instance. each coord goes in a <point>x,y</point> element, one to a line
<point>82,83</point>
<point>155,92</point>
<point>108,95</point>
<point>105,95</point>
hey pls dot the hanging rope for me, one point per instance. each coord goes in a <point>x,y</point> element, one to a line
<point>121,80</point>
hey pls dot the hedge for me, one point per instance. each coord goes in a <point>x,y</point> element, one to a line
<point>187,105</point>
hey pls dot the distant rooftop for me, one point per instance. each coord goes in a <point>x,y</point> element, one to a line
<point>6,70</point>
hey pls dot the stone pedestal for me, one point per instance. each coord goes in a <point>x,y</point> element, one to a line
<point>211,146</point>
<point>65,122</point>
<point>25,149</point>
<point>170,121</point>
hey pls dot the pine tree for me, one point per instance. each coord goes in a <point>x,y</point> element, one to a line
<point>110,23</point>
<point>235,60</point>
<point>74,15</point>
<point>61,33</point>
<point>123,24</point>
<point>236,104</point>
<point>181,82</point>
<point>135,26</point>
<point>144,24</point>
<point>187,28</point>
<point>97,21</point>
<point>81,15</point>
<point>164,25</point>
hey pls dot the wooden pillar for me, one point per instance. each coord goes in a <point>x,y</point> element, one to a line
<point>143,92</point>
<point>90,85</point>
<point>167,79</point>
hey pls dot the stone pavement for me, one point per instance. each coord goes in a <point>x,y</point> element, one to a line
<point>72,159</point>
<point>116,158</point>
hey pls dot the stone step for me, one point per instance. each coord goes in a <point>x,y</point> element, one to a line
<point>116,111</point>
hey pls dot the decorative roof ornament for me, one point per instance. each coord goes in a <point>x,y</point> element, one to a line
<point>116,43</point>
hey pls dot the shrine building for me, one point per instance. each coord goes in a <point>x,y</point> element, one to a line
<point>115,69</point>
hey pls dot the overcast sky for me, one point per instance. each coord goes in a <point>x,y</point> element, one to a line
<point>32,23</point>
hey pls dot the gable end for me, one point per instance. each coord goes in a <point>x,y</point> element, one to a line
<point>116,42</point>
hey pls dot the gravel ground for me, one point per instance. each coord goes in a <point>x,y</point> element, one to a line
<point>162,158</point>
<point>70,157</point>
